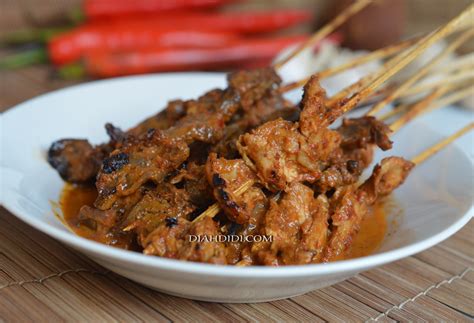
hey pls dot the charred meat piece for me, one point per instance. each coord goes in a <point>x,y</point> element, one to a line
<point>284,152</point>
<point>338,174</point>
<point>164,204</point>
<point>225,177</point>
<point>149,158</point>
<point>361,132</point>
<point>389,174</point>
<point>359,135</point>
<point>268,108</point>
<point>76,160</point>
<point>205,117</point>
<point>162,120</point>
<point>252,85</point>
<point>353,203</point>
<point>178,241</point>
<point>193,180</point>
<point>357,160</point>
<point>106,225</point>
<point>265,110</point>
<point>280,155</point>
<point>227,146</point>
<point>298,225</point>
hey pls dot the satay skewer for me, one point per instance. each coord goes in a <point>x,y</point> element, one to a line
<point>400,61</point>
<point>326,30</point>
<point>214,209</point>
<point>378,54</point>
<point>442,144</point>
<point>444,101</point>
<point>462,62</point>
<point>453,79</point>
<point>367,84</point>
<point>422,72</point>
<point>417,109</point>
<point>396,64</point>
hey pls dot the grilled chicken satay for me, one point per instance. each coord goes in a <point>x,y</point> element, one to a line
<point>152,156</point>
<point>204,119</point>
<point>351,203</point>
<point>226,176</point>
<point>282,152</point>
<point>78,161</point>
<point>298,224</point>
<point>173,241</point>
<point>359,135</point>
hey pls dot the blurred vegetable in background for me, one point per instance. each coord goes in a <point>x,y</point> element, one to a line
<point>233,55</point>
<point>121,37</point>
<point>71,46</point>
<point>106,8</point>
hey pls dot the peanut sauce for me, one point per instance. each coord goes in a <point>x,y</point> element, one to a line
<point>367,241</point>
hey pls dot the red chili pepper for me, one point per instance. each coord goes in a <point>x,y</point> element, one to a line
<point>101,8</point>
<point>244,22</point>
<point>105,64</point>
<point>71,46</point>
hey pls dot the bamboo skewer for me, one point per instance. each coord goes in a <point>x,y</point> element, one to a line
<point>214,209</point>
<point>464,61</point>
<point>421,73</point>
<point>453,79</point>
<point>417,109</point>
<point>440,145</point>
<point>454,97</point>
<point>397,63</point>
<point>378,54</point>
<point>380,77</point>
<point>447,100</point>
<point>326,30</point>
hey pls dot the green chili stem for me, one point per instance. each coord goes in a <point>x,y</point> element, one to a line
<point>30,57</point>
<point>72,71</point>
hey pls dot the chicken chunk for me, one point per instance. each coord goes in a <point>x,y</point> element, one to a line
<point>193,180</point>
<point>337,175</point>
<point>178,241</point>
<point>76,160</point>
<point>353,203</point>
<point>163,204</point>
<point>298,226</point>
<point>225,177</point>
<point>283,152</point>
<point>360,132</point>
<point>106,225</point>
<point>148,158</point>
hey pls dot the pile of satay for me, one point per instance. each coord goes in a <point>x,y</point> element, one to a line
<point>243,161</point>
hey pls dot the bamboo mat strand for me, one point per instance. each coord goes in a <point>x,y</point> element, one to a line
<point>42,280</point>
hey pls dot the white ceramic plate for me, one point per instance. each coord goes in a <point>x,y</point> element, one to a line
<point>436,198</point>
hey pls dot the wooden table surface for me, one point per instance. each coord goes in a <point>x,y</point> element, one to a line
<point>42,280</point>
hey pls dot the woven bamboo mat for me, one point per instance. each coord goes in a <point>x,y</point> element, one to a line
<point>41,280</point>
